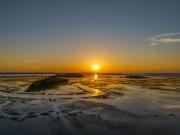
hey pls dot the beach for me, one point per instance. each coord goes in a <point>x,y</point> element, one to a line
<point>109,104</point>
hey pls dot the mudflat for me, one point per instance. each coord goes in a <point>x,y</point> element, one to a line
<point>111,104</point>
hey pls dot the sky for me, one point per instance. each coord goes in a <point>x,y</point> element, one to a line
<point>71,35</point>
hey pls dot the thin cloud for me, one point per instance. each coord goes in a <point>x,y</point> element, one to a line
<point>169,38</point>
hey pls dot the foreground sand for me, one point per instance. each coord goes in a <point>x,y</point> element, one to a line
<point>111,105</point>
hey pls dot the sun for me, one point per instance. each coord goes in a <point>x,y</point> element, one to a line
<point>95,67</point>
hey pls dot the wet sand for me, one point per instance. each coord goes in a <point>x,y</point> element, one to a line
<point>110,105</point>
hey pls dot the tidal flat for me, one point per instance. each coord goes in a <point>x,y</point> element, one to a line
<point>88,104</point>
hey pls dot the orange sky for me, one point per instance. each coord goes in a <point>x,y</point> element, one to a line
<point>112,55</point>
<point>70,36</point>
<point>78,55</point>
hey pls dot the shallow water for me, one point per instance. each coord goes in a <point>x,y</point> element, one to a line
<point>107,104</point>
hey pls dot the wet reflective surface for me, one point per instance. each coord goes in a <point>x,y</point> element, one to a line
<point>96,77</point>
<point>94,104</point>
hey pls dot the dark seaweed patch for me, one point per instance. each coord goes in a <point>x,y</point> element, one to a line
<point>47,83</point>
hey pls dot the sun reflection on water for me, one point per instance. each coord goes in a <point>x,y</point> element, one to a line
<point>96,93</point>
<point>95,77</point>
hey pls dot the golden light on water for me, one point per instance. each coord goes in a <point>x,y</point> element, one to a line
<point>96,93</point>
<point>95,77</point>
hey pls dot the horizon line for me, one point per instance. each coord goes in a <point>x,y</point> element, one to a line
<point>90,72</point>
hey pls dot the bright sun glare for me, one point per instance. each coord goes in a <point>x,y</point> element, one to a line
<point>95,67</point>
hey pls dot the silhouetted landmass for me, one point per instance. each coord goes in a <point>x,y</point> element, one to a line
<point>47,83</point>
<point>135,77</point>
<point>71,75</point>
